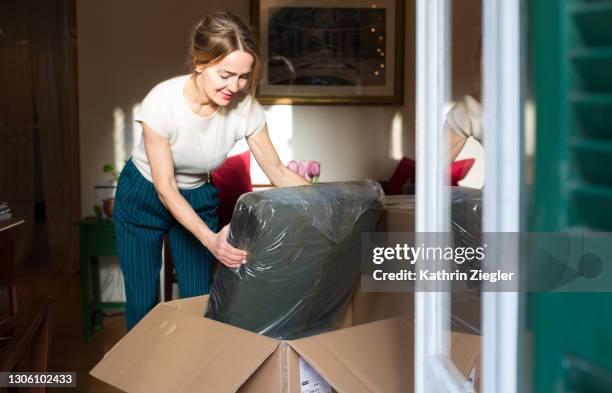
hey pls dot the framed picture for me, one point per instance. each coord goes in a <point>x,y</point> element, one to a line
<point>330,51</point>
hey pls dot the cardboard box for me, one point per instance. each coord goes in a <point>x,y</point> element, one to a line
<point>175,349</point>
<point>399,214</point>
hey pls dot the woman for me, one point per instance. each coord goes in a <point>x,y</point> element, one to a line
<point>464,122</point>
<point>464,119</point>
<point>189,125</point>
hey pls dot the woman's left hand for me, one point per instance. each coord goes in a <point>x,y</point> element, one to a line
<point>226,254</point>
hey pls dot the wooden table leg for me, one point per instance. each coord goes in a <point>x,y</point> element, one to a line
<point>95,287</point>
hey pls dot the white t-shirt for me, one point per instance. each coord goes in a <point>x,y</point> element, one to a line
<point>198,144</point>
<point>465,118</point>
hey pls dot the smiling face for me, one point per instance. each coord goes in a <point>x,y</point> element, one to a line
<point>221,81</point>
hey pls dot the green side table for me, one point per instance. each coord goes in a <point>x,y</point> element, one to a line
<point>97,239</point>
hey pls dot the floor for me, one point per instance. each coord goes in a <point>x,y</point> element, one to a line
<point>69,350</point>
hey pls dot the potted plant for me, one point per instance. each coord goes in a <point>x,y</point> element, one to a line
<point>106,192</point>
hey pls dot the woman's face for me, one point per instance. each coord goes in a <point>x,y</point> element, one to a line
<point>221,81</point>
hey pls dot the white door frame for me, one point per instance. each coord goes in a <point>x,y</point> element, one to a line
<point>433,371</point>
<point>502,100</point>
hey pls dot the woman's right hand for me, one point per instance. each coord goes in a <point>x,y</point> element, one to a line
<point>224,252</point>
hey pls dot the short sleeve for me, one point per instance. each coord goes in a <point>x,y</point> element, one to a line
<point>254,118</point>
<point>465,118</point>
<point>154,110</point>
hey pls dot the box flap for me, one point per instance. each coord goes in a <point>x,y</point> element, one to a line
<point>174,351</point>
<point>465,350</point>
<point>192,305</point>
<point>268,377</point>
<point>374,357</point>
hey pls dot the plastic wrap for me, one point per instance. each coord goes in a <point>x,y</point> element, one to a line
<point>466,228</point>
<point>466,215</point>
<point>303,262</point>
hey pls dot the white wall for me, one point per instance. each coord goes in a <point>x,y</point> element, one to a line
<point>466,29</point>
<point>126,47</point>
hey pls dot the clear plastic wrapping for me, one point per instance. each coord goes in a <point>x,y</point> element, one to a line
<point>303,262</point>
<point>466,215</point>
<point>466,228</point>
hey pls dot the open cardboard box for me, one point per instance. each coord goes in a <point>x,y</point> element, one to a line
<point>175,349</point>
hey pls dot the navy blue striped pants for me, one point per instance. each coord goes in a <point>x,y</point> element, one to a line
<point>140,221</point>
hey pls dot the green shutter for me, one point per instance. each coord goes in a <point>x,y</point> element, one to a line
<point>571,59</point>
<point>589,101</point>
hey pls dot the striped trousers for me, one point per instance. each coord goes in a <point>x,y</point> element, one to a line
<point>140,221</point>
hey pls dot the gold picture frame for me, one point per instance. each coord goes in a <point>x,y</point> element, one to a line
<point>330,52</point>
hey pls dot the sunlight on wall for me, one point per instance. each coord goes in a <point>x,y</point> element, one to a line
<point>530,127</point>
<point>136,127</point>
<point>280,127</point>
<point>395,147</point>
<point>119,137</point>
<point>530,140</point>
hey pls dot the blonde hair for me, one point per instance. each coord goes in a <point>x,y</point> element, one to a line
<point>217,35</point>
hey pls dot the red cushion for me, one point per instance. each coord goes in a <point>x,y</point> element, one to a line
<point>232,179</point>
<point>459,169</point>
<point>406,171</point>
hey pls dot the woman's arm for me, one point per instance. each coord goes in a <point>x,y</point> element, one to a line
<point>159,156</point>
<point>267,158</point>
